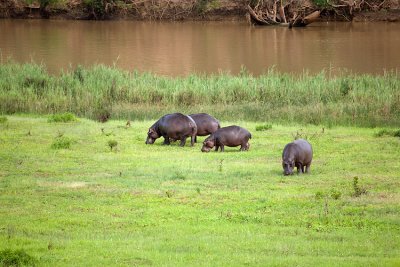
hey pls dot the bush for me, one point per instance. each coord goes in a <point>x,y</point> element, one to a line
<point>394,133</point>
<point>358,191</point>
<point>3,119</point>
<point>263,127</point>
<point>321,3</point>
<point>335,194</point>
<point>63,117</point>
<point>62,143</point>
<point>112,144</point>
<point>18,257</point>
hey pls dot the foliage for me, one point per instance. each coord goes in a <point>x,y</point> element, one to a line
<point>358,191</point>
<point>112,144</point>
<point>263,127</point>
<point>321,3</point>
<point>201,5</point>
<point>100,9</point>
<point>62,142</point>
<point>387,132</point>
<point>62,117</point>
<point>3,119</point>
<point>17,257</point>
<point>43,3</point>
<point>335,194</point>
<point>96,92</point>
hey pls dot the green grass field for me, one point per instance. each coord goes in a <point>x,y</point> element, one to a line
<point>154,205</point>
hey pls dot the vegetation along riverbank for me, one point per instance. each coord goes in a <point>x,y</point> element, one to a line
<point>371,10</point>
<point>100,91</point>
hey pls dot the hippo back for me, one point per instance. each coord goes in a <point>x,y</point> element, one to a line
<point>206,124</point>
<point>174,123</point>
<point>305,149</point>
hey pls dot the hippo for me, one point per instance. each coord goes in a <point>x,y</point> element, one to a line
<point>176,126</point>
<point>299,153</point>
<point>227,136</point>
<point>206,124</point>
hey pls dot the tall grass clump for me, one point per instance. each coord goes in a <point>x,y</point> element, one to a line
<point>63,117</point>
<point>263,127</point>
<point>3,119</point>
<point>387,132</point>
<point>62,142</point>
<point>363,100</point>
<point>18,257</point>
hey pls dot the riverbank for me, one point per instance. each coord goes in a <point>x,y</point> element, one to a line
<point>98,91</point>
<point>181,10</point>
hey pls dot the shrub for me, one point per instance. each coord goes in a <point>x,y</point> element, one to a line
<point>321,3</point>
<point>319,195</point>
<point>335,194</point>
<point>63,117</point>
<point>3,119</point>
<point>358,191</point>
<point>263,127</point>
<point>102,114</point>
<point>394,133</point>
<point>18,257</point>
<point>112,144</point>
<point>62,142</point>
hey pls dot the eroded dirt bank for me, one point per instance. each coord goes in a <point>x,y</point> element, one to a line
<point>357,10</point>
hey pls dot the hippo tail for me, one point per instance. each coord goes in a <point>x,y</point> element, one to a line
<point>194,128</point>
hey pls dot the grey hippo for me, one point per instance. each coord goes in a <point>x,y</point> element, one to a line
<point>176,126</point>
<point>227,136</point>
<point>299,153</point>
<point>206,124</point>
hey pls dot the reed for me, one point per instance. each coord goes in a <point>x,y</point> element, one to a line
<point>348,99</point>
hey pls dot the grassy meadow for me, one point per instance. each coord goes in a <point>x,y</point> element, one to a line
<point>85,193</point>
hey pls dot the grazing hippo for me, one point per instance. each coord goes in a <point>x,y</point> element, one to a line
<point>175,126</point>
<point>298,153</point>
<point>206,124</point>
<point>227,136</point>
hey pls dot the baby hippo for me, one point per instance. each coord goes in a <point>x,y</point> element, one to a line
<point>227,136</point>
<point>298,153</point>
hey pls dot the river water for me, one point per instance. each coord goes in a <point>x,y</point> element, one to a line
<point>181,48</point>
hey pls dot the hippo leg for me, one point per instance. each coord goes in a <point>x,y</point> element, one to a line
<point>308,168</point>
<point>222,148</point>
<point>183,141</point>
<point>299,168</point>
<point>243,147</point>
<point>216,147</point>
<point>166,140</point>
<point>193,140</point>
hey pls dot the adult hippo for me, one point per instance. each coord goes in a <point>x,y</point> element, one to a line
<point>227,136</point>
<point>175,126</point>
<point>299,153</point>
<point>206,124</point>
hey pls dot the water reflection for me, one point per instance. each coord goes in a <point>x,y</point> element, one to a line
<point>176,48</point>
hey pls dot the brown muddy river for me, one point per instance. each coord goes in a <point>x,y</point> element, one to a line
<point>181,48</point>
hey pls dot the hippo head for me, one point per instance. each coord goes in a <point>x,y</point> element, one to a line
<point>247,146</point>
<point>152,135</point>
<point>208,144</point>
<point>288,166</point>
